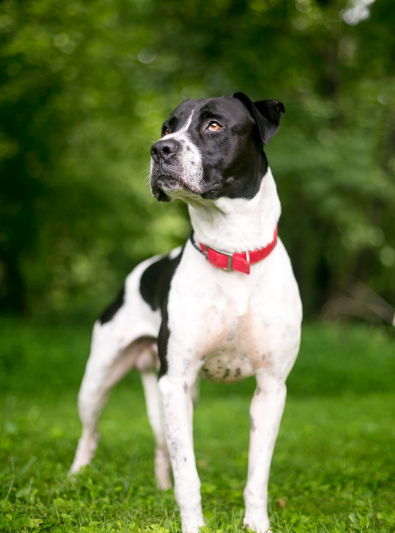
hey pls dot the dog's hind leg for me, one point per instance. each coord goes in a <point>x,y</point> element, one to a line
<point>113,354</point>
<point>152,399</point>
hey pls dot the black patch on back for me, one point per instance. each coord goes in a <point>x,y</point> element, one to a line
<point>108,314</point>
<point>155,281</point>
<point>154,288</point>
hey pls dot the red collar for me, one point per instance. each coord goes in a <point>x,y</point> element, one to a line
<point>240,262</point>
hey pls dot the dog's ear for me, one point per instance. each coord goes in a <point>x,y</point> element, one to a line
<point>266,113</point>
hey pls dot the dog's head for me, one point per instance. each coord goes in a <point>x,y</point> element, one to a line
<point>212,148</point>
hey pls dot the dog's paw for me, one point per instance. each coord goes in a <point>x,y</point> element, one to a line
<point>192,528</point>
<point>75,469</point>
<point>164,483</point>
<point>259,524</point>
<point>192,522</point>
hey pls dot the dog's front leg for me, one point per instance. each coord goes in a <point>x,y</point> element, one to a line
<point>177,414</point>
<point>266,410</point>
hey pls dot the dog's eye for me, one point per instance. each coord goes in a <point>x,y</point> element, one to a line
<point>214,126</point>
<point>166,131</point>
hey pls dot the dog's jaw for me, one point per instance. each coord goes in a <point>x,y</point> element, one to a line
<point>169,187</point>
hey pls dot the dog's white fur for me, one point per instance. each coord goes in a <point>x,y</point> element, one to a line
<point>224,326</point>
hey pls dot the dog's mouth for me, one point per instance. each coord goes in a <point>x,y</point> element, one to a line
<point>166,184</point>
<point>169,182</point>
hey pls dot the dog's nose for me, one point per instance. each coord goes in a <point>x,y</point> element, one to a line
<point>164,150</point>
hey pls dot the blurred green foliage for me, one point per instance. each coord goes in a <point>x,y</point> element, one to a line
<point>334,360</point>
<point>85,86</point>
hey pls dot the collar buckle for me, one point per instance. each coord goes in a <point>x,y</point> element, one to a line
<point>228,255</point>
<point>230,260</point>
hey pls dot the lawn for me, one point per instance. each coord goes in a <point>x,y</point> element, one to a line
<point>333,468</point>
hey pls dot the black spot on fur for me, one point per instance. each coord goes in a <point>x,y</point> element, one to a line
<point>163,339</point>
<point>155,281</point>
<point>108,314</point>
<point>154,288</point>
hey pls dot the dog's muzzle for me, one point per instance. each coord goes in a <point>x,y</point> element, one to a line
<point>165,168</point>
<point>163,184</point>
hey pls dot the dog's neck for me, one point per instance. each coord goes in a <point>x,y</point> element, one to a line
<point>238,225</point>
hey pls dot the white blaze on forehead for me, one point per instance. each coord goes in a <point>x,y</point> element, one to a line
<point>189,157</point>
<point>184,129</point>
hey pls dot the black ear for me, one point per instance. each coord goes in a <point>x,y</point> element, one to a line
<point>266,113</point>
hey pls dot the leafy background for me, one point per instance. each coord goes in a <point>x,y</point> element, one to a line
<point>84,89</point>
<point>85,86</point>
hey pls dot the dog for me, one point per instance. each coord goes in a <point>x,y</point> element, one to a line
<point>223,307</point>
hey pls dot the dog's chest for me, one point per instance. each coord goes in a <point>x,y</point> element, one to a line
<point>232,345</point>
<point>229,325</point>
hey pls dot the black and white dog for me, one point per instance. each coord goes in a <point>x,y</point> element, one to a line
<point>223,307</point>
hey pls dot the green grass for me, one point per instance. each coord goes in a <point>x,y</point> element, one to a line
<point>333,469</point>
